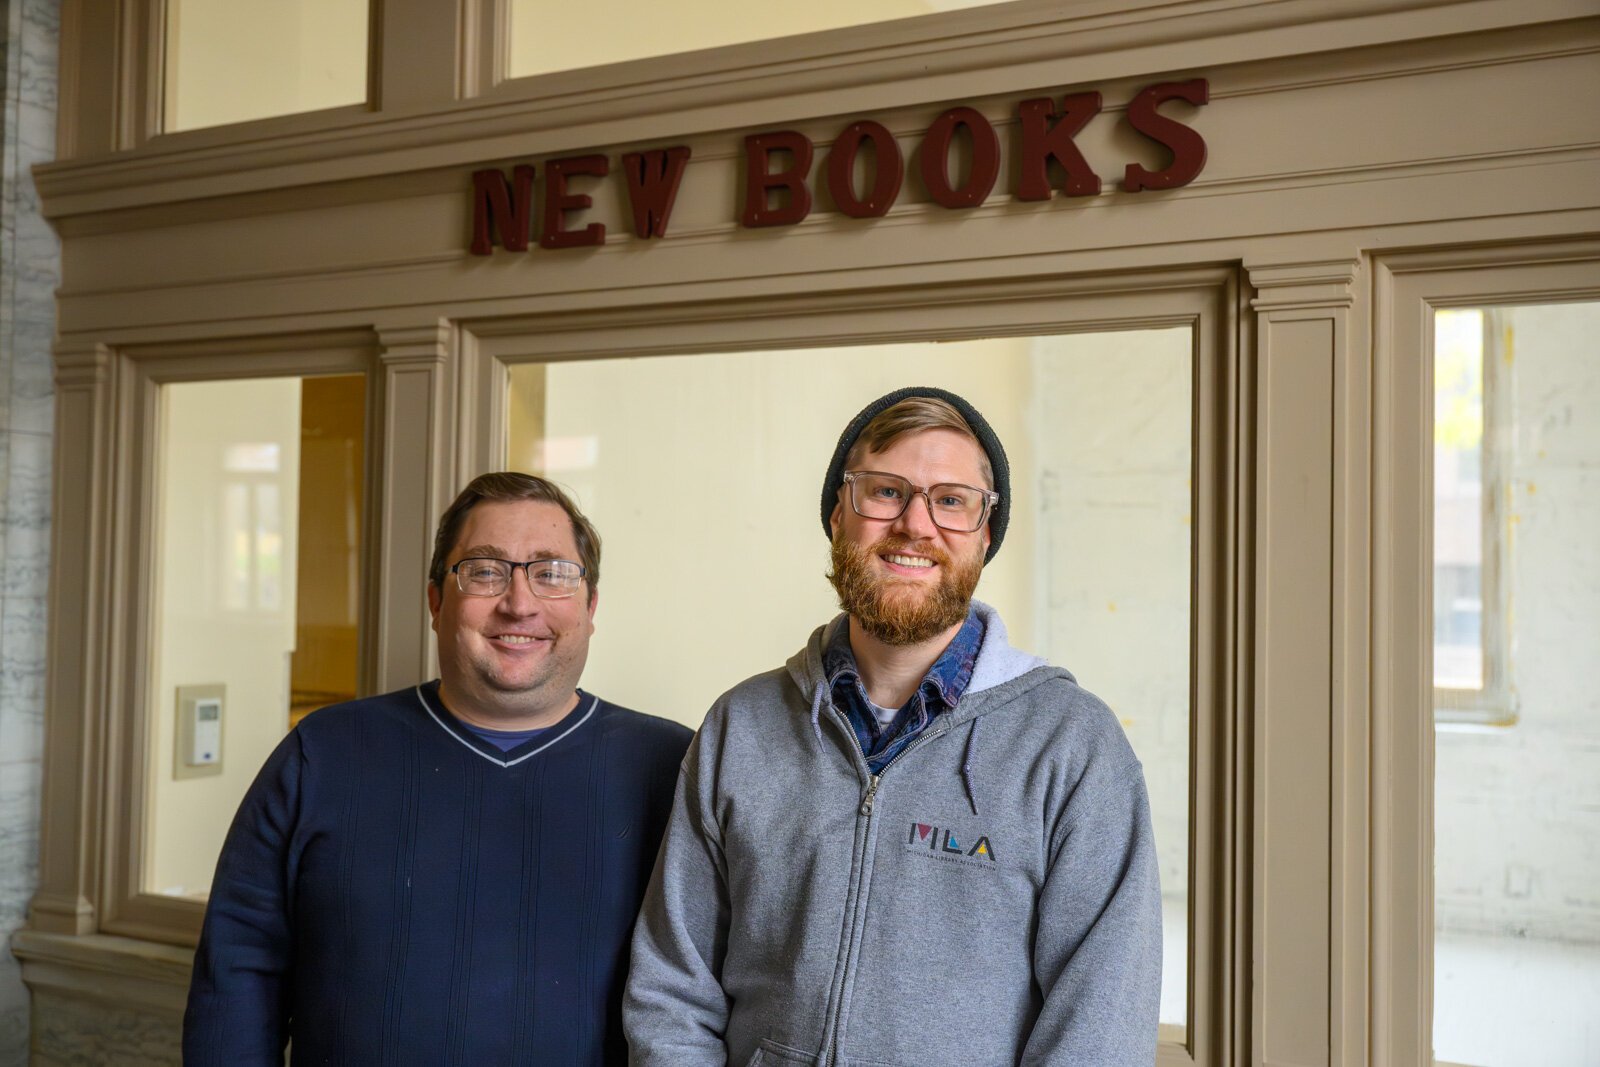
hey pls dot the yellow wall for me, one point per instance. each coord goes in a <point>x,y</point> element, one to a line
<point>325,665</point>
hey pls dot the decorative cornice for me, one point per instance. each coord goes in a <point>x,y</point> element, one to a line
<point>428,344</point>
<point>1296,286</point>
<point>970,54</point>
<point>80,364</point>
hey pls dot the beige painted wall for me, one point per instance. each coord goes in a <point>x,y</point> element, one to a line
<point>211,627</point>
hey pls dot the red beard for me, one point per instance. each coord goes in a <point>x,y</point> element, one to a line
<point>891,609</point>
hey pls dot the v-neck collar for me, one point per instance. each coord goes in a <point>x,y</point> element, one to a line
<point>510,758</point>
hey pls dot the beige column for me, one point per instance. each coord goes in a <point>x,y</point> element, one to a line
<point>417,457</point>
<point>1310,858</point>
<point>80,589</point>
<point>429,53</point>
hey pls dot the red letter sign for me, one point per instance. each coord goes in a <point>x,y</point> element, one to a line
<point>842,164</point>
<point>936,152</point>
<point>557,202</point>
<point>1188,150</point>
<point>1041,142</point>
<point>494,207</point>
<point>653,186</point>
<point>758,182</point>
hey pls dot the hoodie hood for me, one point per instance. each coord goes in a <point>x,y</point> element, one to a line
<point>998,662</point>
<point>998,672</point>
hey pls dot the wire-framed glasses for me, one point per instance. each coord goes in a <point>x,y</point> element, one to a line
<point>550,579</point>
<point>951,505</point>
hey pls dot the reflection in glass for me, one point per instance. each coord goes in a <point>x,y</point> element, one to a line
<point>1516,838</point>
<point>1094,575</point>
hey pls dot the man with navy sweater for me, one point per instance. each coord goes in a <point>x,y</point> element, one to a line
<point>449,874</point>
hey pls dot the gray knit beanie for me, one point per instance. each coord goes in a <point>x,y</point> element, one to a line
<point>999,516</point>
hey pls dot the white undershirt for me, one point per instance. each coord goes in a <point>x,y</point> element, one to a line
<point>885,716</point>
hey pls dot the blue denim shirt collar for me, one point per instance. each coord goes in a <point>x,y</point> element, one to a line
<point>940,690</point>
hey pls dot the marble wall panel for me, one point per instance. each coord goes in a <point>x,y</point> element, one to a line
<point>25,524</point>
<point>29,274</point>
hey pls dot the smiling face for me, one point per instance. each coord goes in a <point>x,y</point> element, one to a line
<point>512,661</point>
<point>906,580</point>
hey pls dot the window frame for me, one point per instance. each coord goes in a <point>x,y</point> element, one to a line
<point>1210,302</point>
<point>1407,288</point>
<point>124,906</point>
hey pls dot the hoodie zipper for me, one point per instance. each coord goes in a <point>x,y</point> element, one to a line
<point>830,1054</point>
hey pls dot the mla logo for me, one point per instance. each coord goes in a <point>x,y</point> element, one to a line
<point>944,841</point>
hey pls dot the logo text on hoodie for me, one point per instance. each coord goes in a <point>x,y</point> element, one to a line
<point>945,843</point>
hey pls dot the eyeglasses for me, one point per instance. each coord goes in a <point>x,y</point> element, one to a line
<point>951,505</point>
<point>550,579</point>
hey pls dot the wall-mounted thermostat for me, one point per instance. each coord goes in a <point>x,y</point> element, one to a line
<point>199,732</point>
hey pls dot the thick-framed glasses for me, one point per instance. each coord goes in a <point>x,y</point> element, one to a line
<point>951,505</point>
<point>550,579</point>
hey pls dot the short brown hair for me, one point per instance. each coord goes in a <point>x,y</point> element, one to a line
<point>512,486</point>
<point>913,415</point>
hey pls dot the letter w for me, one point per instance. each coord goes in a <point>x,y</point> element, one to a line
<point>494,207</point>
<point>653,179</point>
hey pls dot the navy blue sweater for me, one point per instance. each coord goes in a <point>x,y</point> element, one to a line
<point>395,890</point>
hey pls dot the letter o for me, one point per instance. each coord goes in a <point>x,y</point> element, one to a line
<point>889,168</point>
<point>936,157</point>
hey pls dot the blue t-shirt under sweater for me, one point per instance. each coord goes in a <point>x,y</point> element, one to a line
<point>397,890</point>
<point>504,740</point>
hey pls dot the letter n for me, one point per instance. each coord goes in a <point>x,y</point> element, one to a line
<point>496,207</point>
<point>653,179</point>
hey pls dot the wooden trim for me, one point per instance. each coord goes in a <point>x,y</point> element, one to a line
<point>126,639</point>
<point>1406,289</point>
<point>1205,298</point>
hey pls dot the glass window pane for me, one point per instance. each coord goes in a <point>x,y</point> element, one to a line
<point>1094,575</point>
<point>546,37</point>
<point>236,60</point>
<point>1517,807</point>
<point>256,580</point>
<point>1458,500</point>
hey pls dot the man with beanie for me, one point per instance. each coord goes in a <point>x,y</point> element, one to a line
<point>914,845</point>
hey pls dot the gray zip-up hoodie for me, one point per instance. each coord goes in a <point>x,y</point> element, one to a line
<point>990,898</point>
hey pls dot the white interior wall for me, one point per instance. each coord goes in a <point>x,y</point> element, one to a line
<point>1517,819</point>
<point>1114,505</point>
<point>205,635</point>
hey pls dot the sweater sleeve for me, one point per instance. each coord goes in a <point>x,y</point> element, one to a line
<point>674,1010</point>
<point>1097,949</point>
<point>239,996</point>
